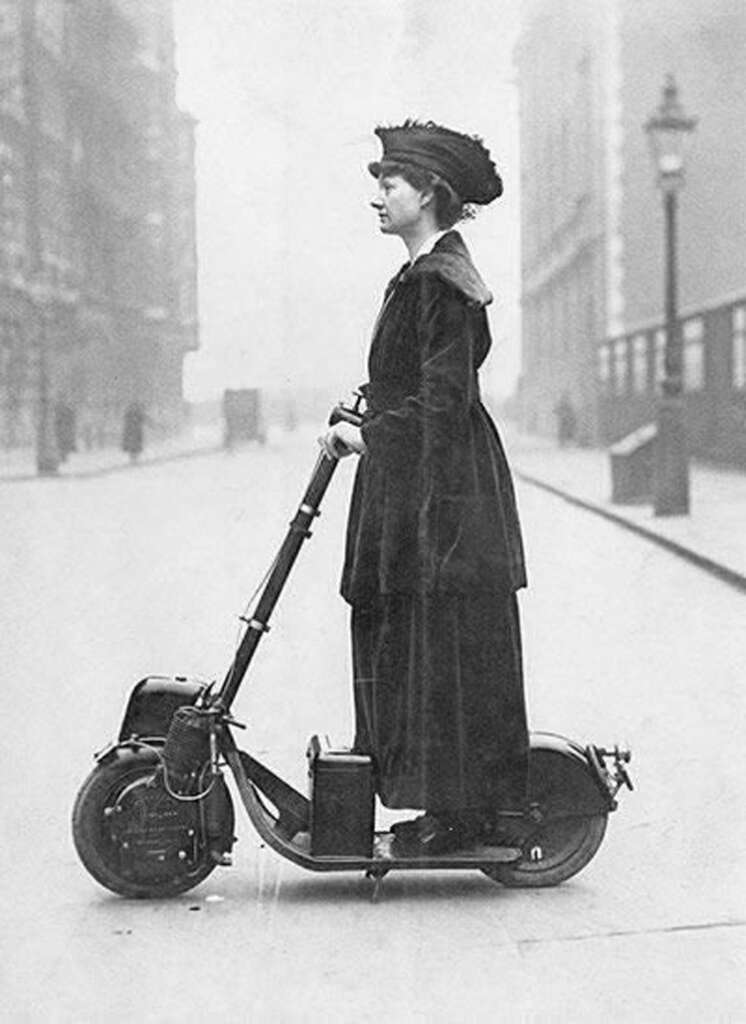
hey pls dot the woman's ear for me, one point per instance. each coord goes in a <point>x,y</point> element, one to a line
<point>427,197</point>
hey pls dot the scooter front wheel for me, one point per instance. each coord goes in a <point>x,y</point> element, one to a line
<point>131,836</point>
<point>566,822</point>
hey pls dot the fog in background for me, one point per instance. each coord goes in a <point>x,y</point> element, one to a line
<point>287,93</point>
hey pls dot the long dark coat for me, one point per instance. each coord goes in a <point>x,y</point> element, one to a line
<point>433,507</point>
<point>434,554</point>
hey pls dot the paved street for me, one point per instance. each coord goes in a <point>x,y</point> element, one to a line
<point>108,579</point>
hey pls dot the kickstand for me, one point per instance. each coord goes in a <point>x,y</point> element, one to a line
<point>377,875</point>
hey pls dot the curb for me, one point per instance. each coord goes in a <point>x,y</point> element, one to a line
<point>157,460</point>
<point>722,572</point>
<point>119,467</point>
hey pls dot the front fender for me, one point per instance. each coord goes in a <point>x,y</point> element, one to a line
<point>131,753</point>
<point>152,704</point>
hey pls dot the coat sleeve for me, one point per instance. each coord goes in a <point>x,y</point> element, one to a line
<point>445,335</point>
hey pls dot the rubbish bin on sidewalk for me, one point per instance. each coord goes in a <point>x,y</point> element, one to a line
<point>633,466</point>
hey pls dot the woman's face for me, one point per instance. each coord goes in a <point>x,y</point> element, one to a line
<point>399,205</point>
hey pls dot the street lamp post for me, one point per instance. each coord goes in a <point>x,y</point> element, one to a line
<point>47,462</point>
<point>667,129</point>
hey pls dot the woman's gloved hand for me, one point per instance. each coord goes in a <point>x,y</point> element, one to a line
<point>341,440</point>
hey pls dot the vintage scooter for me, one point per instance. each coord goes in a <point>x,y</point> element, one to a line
<point>155,815</point>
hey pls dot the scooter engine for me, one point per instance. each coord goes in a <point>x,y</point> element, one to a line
<point>153,832</point>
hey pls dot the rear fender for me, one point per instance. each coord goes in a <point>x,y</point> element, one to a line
<point>587,790</point>
<point>152,704</point>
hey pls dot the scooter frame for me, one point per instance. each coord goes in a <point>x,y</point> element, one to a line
<point>152,705</point>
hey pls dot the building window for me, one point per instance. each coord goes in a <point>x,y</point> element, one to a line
<point>604,367</point>
<point>11,95</point>
<point>620,366</point>
<point>739,347</point>
<point>694,354</point>
<point>52,111</point>
<point>50,21</point>
<point>640,364</point>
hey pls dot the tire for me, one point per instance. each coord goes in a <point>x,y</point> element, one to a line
<point>156,830</point>
<point>566,837</point>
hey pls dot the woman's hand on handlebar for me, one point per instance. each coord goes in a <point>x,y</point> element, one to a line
<point>341,440</point>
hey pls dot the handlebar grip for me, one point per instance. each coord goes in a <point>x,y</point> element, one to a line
<point>342,413</point>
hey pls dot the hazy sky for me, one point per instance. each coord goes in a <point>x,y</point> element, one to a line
<point>287,94</point>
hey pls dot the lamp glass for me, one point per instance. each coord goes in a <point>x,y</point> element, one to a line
<point>667,130</point>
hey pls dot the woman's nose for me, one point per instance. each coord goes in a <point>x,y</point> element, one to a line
<point>376,203</point>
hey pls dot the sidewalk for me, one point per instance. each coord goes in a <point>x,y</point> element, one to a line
<point>713,536</point>
<point>20,464</point>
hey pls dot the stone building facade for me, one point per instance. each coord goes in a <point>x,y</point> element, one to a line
<point>98,292</point>
<point>590,75</point>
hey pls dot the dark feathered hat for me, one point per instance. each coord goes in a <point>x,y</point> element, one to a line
<point>462,160</point>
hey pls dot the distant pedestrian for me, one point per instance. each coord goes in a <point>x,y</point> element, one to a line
<point>228,420</point>
<point>134,430</point>
<point>566,420</point>
<point>64,429</point>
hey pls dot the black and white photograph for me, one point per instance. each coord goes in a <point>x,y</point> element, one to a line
<point>373,486</point>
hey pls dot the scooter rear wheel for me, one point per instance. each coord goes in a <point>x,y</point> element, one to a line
<point>566,838</point>
<point>131,836</point>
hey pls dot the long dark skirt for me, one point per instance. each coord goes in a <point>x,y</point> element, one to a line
<point>439,700</point>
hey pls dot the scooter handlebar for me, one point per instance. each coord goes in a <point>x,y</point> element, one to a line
<point>348,414</point>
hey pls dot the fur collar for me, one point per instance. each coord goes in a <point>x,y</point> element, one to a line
<point>450,261</point>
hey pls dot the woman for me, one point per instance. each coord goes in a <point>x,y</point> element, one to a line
<point>433,553</point>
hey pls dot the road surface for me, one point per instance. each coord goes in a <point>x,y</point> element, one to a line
<point>106,580</point>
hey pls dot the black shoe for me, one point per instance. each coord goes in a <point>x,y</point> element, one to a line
<point>426,836</point>
<point>410,827</point>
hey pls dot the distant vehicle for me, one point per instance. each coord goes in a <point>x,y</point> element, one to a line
<point>242,416</point>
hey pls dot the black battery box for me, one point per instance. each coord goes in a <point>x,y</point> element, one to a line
<point>341,792</point>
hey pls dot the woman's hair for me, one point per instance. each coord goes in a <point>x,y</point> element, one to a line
<point>449,208</point>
